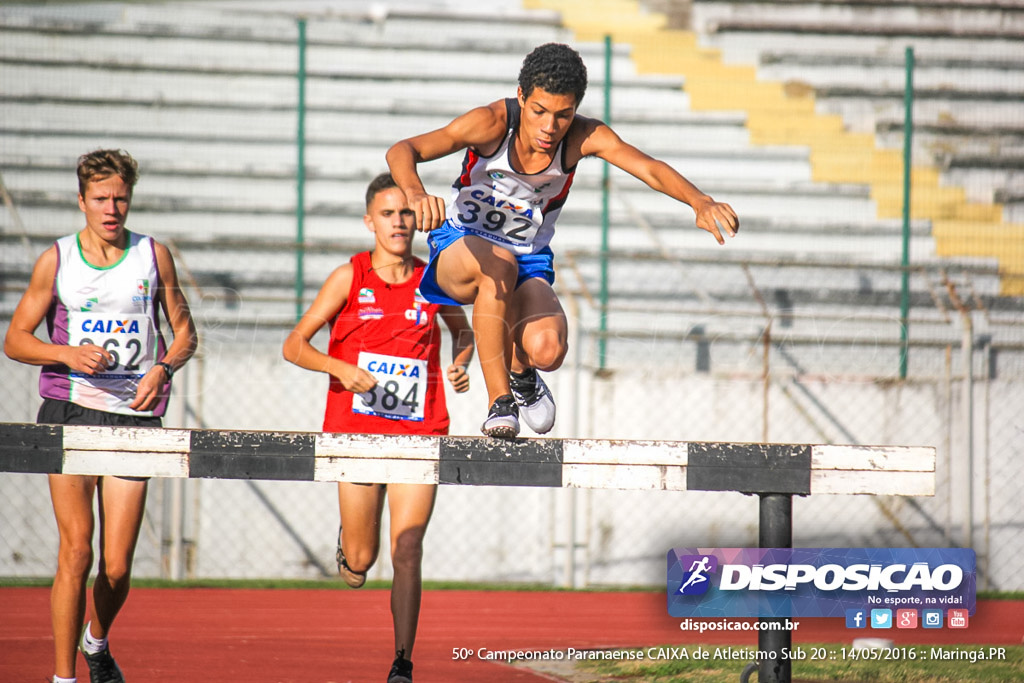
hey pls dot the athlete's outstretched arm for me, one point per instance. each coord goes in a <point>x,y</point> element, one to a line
<point>298,349</point>
<point>600,140</point>
<point>476,128</point>
<point>462,346</point>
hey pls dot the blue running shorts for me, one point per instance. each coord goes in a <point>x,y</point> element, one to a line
<point>539,265</point>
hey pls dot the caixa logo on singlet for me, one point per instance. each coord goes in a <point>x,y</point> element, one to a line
<point>386,367</point>
<point>110,326</point>
<point>417,315</point>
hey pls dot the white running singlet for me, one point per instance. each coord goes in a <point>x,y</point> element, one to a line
<point>112,307</point>
<point>515,210</point>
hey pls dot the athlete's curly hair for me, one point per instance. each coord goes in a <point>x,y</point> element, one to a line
<point>104,163</point>
<point>555,68</point>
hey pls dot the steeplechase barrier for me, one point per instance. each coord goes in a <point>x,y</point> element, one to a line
<point>774,472</point>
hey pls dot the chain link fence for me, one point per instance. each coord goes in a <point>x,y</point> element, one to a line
<point>241,529</point>
<point>789,334</point>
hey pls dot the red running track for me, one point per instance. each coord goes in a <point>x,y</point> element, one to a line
<point>342,636</point>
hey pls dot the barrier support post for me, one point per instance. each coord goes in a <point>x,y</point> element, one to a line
<point>775,531</point>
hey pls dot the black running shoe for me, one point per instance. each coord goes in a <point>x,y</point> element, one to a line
<point>502,419</point>
<point>102,667</point>
<point>401,669</point>
<point>353,578</point>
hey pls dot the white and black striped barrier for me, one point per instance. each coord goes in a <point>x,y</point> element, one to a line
<point>794,469</point>
<point>775,472</point>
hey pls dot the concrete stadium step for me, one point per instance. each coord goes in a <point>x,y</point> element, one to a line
<point>227,55</point>
<point>998,81</point>
<point>236,257</point>
<point>325,124</point>
<point>962,106</point>
<point>909,17</point>
<point>745,45</point>
<point>813,206</point>
<point>423,22</point>
<point>579,229</point>
<point>186,184</point>
<point>244,202</point>
<point>978,177</point>
<point>214,155</point>
<point>865,111</point>
<point>154,94</point>
<point>344,157</point>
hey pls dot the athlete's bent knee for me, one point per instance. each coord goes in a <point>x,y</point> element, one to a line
<point>547,353</point>
<point>360,559</point>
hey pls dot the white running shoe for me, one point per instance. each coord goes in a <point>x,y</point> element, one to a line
<point>502,419</point>
<point>536,404</point>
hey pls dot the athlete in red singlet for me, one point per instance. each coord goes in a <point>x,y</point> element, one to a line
<point>389,330</point>
<point>385,378</point>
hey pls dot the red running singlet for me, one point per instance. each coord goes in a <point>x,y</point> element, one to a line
<point>391,331</point>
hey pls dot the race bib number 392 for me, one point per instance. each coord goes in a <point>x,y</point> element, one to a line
<point>401,389</point>
<point>504,220</point>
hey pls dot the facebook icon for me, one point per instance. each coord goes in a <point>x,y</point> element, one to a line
<point>856,618</point>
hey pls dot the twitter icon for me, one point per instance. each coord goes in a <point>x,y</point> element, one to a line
<point>881,618</point>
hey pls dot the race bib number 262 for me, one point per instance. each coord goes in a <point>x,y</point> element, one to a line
<point>127,338</point>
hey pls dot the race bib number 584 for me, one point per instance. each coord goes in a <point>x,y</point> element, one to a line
<point>401,387</point>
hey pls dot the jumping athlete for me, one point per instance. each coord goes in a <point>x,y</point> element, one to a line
<point>489,244</point>
<point>102,292</point>
<point>385,378</point>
